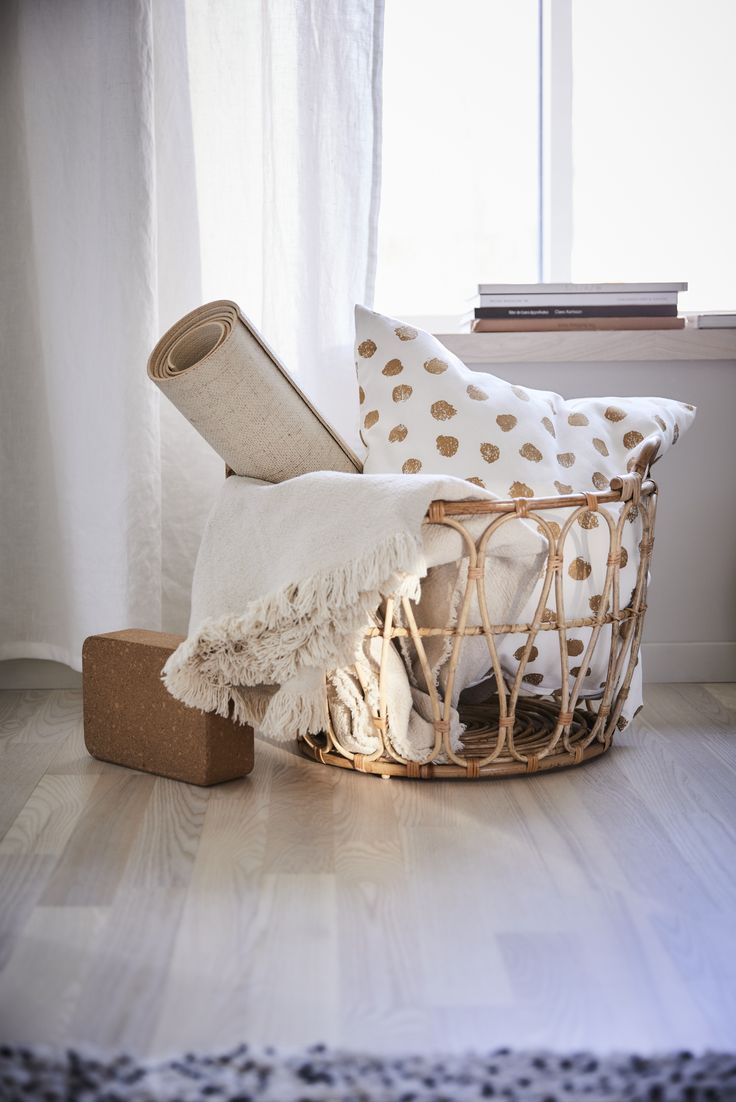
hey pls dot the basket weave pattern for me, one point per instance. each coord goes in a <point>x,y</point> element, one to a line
<point>513,732</point>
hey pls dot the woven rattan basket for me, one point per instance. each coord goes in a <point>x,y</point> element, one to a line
<point>513,733</point>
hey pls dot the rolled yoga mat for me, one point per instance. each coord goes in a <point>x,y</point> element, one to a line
<point>219,372</point>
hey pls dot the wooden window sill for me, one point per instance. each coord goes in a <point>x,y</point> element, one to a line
<point>632,346</point>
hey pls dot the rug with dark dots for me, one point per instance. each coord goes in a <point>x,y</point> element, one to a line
<point>318,1074</point>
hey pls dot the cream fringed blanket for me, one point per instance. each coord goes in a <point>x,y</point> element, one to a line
<point>289,576</point>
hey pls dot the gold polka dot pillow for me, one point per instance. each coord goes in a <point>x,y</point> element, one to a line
<point>423,410</point>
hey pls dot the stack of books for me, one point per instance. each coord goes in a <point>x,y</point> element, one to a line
<point>531,307</point>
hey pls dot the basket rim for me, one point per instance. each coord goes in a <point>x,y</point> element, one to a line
<point>473,506</point>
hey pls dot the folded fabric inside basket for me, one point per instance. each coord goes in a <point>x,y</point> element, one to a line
<point>289,577</point>
<point>219,372</point>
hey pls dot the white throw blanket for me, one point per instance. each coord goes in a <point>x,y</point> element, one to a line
<point>287,580</point>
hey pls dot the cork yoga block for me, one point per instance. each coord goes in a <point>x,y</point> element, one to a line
<point>130,719</point>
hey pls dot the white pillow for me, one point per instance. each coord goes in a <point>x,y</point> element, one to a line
<point>423,410</point>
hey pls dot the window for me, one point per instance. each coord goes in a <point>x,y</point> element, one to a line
<point>654,156</point>
<point>460,152</point>
<point>556,139</point>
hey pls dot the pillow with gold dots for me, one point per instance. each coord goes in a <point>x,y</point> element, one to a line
<point>423,410</point>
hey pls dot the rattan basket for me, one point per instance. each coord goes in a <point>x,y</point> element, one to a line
<point>513,733</point>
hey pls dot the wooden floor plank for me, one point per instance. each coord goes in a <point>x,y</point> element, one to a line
<point>39,986</point>
<point>380,965</point>
<point>291,979</point>
<point>93,860</point>
<point>72,757</point>
<point>300,836</point>
<point>725,694</point>
<point>701,725</point>
<point>164,849</point>
<point>131,966</point>
<point>23,880</point>
<point>689,813</point>
<point>224,917</point>
<point>34,727</point>
<point>650,864</point>
<point>48,817</point>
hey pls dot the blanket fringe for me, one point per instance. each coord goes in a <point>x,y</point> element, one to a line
<point>291,714</point>
<point>315,623</point>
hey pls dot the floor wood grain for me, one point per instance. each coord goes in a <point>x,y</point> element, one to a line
<point>35,726</point>
<point>593,907</point>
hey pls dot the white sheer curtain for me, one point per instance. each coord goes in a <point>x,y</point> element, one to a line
<point>156,154</point>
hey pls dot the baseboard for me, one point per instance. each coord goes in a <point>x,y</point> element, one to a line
<point>662,662</point>
<point>689,661</point>
<point>37,673</point>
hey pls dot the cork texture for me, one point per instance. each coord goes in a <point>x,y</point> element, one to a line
<point>130,719</point>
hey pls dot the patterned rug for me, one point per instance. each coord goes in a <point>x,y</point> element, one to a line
<point>320,1075</point>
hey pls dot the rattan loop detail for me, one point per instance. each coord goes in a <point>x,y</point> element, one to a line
<point>476,571</point>
<point>532,763</point>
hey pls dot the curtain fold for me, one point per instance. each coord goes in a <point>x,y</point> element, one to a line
<point>156,155</point>
<point>80,526</point>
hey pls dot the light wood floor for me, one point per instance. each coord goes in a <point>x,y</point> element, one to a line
<point>594,907</point>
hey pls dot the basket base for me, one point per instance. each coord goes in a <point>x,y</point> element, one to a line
<point>535,722</point>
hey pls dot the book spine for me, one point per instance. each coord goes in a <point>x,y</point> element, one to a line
<point>576,312</point>
<point>551,325</point>
<point>665,298</point>
<point>576,288</point>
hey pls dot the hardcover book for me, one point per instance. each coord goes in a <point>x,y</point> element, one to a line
<point>557,298</point>
<point>540,325</point>
<point>576,311</point>
<point>575,288</point>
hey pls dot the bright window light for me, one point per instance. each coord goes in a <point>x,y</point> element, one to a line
<point>460,143</point>
<point>654,157</point>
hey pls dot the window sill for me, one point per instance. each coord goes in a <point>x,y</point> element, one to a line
<point>633,346</point>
